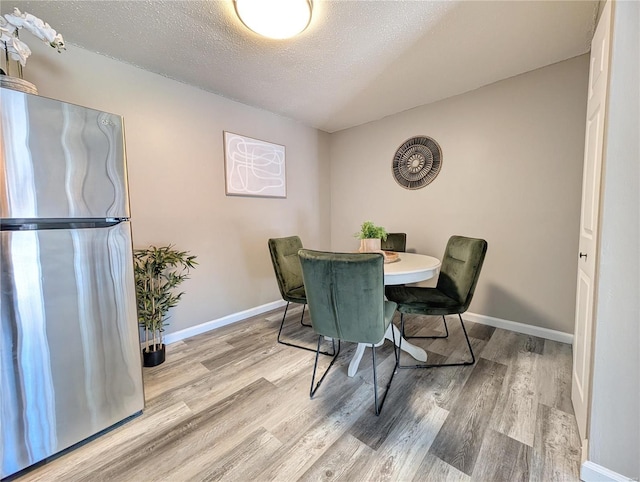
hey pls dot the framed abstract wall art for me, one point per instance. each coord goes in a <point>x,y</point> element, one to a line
<point>253,167</point>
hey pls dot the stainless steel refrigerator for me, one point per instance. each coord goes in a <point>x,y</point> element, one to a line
<point>69,350</point>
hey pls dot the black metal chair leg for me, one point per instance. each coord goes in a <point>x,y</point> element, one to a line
<point>375,380</point>
<point>312,390</point>
<point>292,344</point>
<point>375,376</point>
<point>302,318</point>
<point>395,353</point>
<point>473,358</point>
<point>282,323</point>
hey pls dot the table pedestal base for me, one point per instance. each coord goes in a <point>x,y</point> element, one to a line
<point>416,352</point>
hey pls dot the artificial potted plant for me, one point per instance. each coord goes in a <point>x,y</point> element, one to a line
<point>16,52</point>
<point>158,272</point>
<point>370,236</point>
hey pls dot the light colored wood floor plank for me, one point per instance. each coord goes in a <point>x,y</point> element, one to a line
<point>458,442</point>
<point>479,331</point>
<point>502,458</point>
<point>402,451</point>
<point>504,345</point>
<point>116,444</point>
<point>518,400</point>
<point>345,454</point>
<point>436,470</point>
<point>173,375</point>
<point>206,431</point>
<point>554,376</point>
<point>303,452</point>
<point>243,461</point>
<point>556,450</point>
<point>232,404</point>
<point>403,406</point>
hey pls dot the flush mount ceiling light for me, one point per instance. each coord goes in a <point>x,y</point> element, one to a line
<point>277,19</point>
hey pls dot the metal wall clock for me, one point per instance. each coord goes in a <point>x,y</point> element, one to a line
<point>417,162</point>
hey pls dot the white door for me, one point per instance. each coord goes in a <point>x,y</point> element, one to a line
<point>585,301</point>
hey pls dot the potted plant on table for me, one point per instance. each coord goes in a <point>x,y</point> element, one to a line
<point>158,272</point>
<point>370,236</point>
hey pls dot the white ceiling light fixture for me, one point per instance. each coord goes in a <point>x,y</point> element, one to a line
<point>277,19</point>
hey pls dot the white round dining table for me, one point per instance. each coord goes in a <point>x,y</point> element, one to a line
<point>410,268</point>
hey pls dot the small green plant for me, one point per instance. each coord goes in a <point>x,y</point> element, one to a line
<point>368,230</point>
<point>158,272</point>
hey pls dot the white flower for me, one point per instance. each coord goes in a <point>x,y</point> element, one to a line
<point>17,49</point>
<point>58,43</point>
<point>37,27</point>
<point>6,29</point>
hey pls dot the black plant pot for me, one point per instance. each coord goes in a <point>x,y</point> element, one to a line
<point>153,358</point>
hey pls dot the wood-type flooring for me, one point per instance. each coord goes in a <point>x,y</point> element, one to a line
<point>232,404</point>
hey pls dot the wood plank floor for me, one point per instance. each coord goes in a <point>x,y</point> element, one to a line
<point>232,404</point>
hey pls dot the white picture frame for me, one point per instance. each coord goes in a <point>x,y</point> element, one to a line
<point>254,167</point>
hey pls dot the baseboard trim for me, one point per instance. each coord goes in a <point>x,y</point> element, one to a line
<point>220,322</point>
<point>520,327</point>
<point>590,472</point>
<point>258,310</point>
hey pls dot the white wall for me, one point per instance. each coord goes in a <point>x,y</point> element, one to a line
<point>614,435</point>
<point>511,173</point>
<point>176,174</point>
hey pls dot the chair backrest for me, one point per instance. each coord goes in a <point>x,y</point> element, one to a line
<point>463,258</point>
<point>345,293</point>
<point>395,242</point>
<point>286,264</point>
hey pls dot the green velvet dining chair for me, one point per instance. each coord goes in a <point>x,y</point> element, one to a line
<point>394,242</point>
<point>345,292</point>
<point>459,273</point>
<point>286,265</point>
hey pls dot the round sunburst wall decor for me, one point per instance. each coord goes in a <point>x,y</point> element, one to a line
<point>417,162</point>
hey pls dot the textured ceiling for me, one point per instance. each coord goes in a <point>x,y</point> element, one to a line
<point>358,61</point>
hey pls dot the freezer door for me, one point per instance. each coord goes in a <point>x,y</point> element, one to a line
<point>59,160</point>
<point>69,350</point>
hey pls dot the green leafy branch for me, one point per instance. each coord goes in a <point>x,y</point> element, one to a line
<point>158,272</point>
<point>368,230</point>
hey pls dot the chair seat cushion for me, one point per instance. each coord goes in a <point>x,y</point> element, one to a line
<point>296,295</point>
<point>424,301</point>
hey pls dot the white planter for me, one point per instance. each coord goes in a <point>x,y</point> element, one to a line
<point>370,245</point>
<point>18,84</point>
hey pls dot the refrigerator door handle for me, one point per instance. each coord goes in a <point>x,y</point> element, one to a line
<point>41,224</point>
